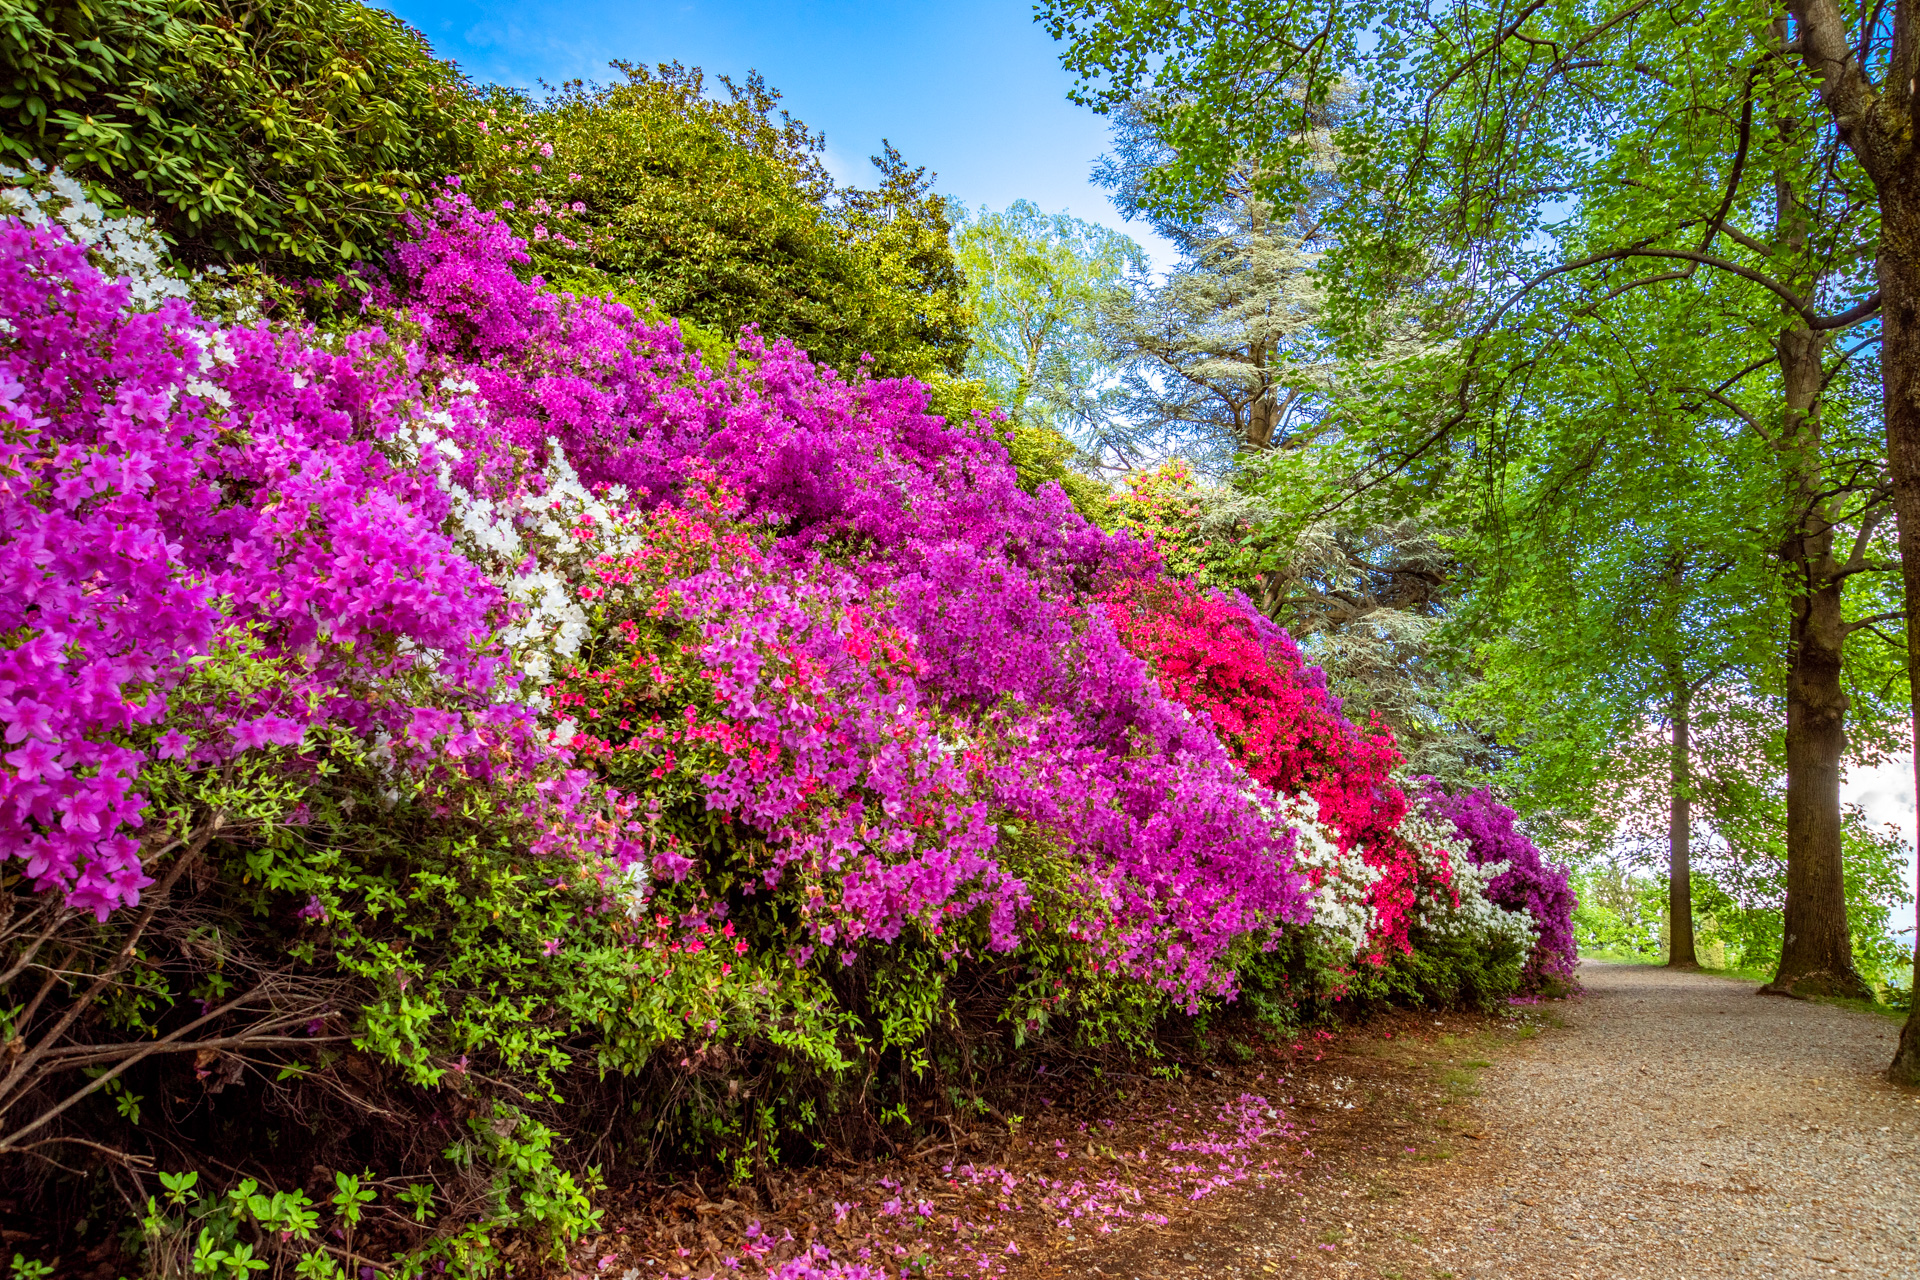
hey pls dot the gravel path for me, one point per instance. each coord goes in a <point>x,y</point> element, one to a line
<point>1679,1125</point>
<point>1683,1126</point>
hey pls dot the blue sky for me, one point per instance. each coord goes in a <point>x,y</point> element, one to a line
<point>974,92</point>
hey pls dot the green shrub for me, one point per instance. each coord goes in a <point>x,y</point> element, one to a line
<point>363,969</point>
<point>720,212</point>
<point>1455,973</point>
<point>288,131</point>
<point>1300,981</point>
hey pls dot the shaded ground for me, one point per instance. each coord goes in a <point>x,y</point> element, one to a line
<point>1675,1125</point>
<point>1097,1160</point>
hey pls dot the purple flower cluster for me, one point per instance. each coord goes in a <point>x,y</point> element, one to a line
<point>1020,703</point>
<point>170,490</point>
<point>1529,883</point>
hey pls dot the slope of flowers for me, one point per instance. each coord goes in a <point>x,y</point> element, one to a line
<point>763,666</point>
<point>551,430</point>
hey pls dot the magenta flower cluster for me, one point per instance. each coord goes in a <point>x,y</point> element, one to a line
<point>169,487</point>
<point>1529,883</point>
<point>1016,701</point>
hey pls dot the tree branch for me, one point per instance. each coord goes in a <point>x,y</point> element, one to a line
<point>11,1142</point>
<point>1753,423</point>
<point>1851,316</point>
<point>1842,80</point>
<point>1875,620</point>
<point>1739,164</point>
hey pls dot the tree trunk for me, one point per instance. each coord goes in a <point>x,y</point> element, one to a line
<point>1680,953</point>
<point>1816,955</point>
<point>1880,126</point>
<point>1263,415</point>
<point>1900,367</point>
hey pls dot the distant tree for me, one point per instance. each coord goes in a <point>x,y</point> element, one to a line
<point>1225,357</point>
<point>1038,284</point>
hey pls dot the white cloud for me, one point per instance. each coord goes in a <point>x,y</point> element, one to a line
<point>1885,793</point>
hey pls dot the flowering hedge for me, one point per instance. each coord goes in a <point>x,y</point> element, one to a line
<point>1001,696</point>
<point>529,645</point>
<point>1036,669</point>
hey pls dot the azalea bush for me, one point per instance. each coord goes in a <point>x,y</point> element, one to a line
<point>1516,877</point>
<point>498,718</point>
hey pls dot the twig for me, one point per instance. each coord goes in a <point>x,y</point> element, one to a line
<point>32,1056</point>
<point>127,1158</point>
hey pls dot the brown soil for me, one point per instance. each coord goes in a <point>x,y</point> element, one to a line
<point>1364,1106</point>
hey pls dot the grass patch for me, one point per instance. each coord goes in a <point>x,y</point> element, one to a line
<point>1460,1084</point>
<point>1740,973</point>
<point>1879,1007</point>
<point>1864,1006</point>
<point>1622,957</point>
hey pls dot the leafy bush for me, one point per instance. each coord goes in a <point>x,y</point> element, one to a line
<point>1444,972</point>
<point>285,131</point>
<point>1619,914</point>
<point>721,214</point>
<point>434,749</point>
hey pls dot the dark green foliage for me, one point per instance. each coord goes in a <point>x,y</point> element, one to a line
<point>1299,982</point>
<point>285,131</point>
<point>1443,973</point>
<point>721,213</point>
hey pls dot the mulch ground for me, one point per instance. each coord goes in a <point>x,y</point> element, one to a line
<point>1252,1168</point>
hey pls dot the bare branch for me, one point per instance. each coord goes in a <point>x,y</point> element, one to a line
<point>127,1158</point>
<point>1753,423</point>
<point>124,958</point>
<point>12,1141</point>
<point>1873,622</point>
